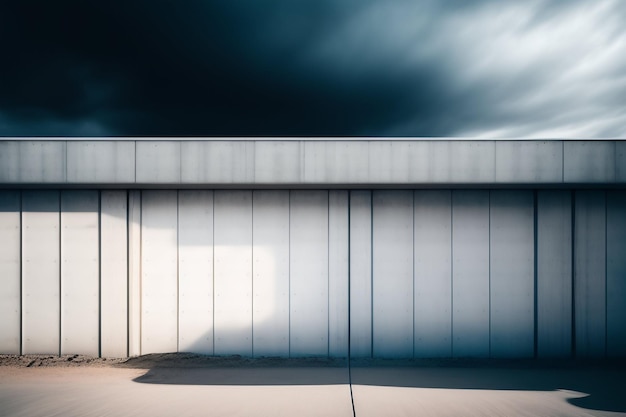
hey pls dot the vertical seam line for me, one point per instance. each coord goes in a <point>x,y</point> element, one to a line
<point>252,273</point>
<point>535,274</point>
<point>349,303</point>
<point>489,263</point>
<point>327,273</point>
<point>177,270</point>
<point>60,194</point>
<point>349,276</point>
<point>21,230</point>
<point>413,268</point>
<point>371,273</point>
<point>606,281</point>
<point>573,272</point>
<point>128,274</point>
<point>140,270</point>
<point>289,281</point>
<point>99,273</point>
<point>213,272</point>
<point>451,273</point>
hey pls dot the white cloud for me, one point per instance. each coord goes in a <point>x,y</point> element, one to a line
<point>507,68</point>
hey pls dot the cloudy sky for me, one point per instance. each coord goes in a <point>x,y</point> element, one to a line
<point>454,68</point>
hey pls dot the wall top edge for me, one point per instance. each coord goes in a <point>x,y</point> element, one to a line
<point>301,139</point>
<point>405,162</point>
<point>320,186</point>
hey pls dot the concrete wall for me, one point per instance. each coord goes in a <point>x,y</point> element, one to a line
<point>420,273</point>
<point>297,163</point>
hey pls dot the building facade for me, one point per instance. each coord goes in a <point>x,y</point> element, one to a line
<point>390,248</point>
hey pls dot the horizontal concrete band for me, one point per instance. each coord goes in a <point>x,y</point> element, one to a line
<point>309,163</point>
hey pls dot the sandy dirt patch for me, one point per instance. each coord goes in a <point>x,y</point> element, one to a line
<point>172,385</point>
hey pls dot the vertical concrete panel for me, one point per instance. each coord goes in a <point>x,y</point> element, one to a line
<point>134,273</point>
<point>338,273</point>
<point>554,273</point>
<point>195,271</point>
<point>470,273</point>
<point>308,270</point>
<point>10,272</point>
<point>159,272</point>
<point>113,273</point>
<point>40,272</point>
<point>360,273</point>
<point>590,273</point>
<point>392,256</point>
<point>80,273</point>
<point>433,274</point>
<point>233,272</point>
<point>270,234</point>
<point>616,273</point>
<point>512,263</point>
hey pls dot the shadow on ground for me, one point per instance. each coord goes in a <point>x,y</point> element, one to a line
<point>601,383</point>
<point>193,369</point>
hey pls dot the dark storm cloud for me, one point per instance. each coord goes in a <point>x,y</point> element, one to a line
<point>294,67</point>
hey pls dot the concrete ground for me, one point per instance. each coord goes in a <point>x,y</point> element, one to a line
<point>239,387</point>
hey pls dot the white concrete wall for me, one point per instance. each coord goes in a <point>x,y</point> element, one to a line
<point>10,271</point>
<point>386,273</point>
<point>80,272</point>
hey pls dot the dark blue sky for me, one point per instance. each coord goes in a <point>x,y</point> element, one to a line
<point>484,68</point>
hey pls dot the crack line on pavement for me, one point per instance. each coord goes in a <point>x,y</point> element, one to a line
<point>350,383</point>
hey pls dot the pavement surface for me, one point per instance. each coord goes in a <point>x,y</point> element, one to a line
<point>175,385</point>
